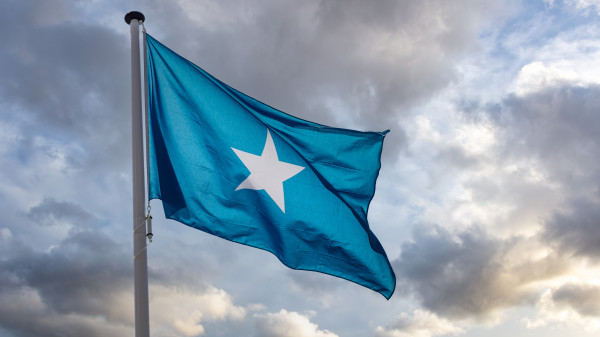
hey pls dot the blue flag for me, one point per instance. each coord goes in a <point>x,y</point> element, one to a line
<point>231,166</point>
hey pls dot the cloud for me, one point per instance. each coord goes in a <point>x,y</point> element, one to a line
<point>51,210</point>
<point>524,206</point>
<point>77,288</point>
<point>287,324</point>
<point>555,125</point>
<point>178,311</point>
<point>67,79</point>
<point>317,287</point>
<point>515,215</point>
<point>471,274</point>
<point>419,324</point>
<point>573,305</point>
<point>566,59</point>
<point>511,180</point>
<point>585,7</point>
<point>82,287</point>
<point>350,65</point>
<point>576,230</point>
<point>553,132</point>
<point>583,298</point>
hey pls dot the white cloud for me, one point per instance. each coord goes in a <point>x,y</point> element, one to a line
<point>536,75</point>
<point>5,233</point>
<point>579,6</point>
<point>419,324</point>
<point>176,311</point>
<point>572,57</point>
<point>551,312</point>
<point>288,324</point>
<point>584,5</point>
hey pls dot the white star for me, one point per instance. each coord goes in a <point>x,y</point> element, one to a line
<point>267,172</point>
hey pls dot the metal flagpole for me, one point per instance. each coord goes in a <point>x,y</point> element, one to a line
<point>140,260</point>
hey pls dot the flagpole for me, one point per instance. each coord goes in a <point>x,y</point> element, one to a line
<point>140,260</point>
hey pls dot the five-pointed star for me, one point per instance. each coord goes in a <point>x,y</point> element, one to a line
<point>267,172</point>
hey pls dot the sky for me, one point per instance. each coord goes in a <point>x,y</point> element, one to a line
<point>487,203</point>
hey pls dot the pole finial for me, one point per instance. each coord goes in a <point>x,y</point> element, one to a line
<point>134,15</point>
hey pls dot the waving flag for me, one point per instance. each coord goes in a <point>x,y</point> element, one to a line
<point>231,166</point>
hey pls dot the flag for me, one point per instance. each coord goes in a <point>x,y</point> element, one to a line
<point>231,166</point>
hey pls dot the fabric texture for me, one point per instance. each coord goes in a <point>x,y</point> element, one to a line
<point>231,166</point>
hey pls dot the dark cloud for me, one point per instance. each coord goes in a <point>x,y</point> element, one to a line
<point>69,78</point>
<point>80,274</point>
<point>552,132</point>
<point>65,79</point>
<point>557,125</point>
<point>553,129</point>
<point>457,158</point>
<point>81,277</point>
<point>585,299</point>
<point>576,230</point>
<point>469,274</point>
<point>317,287</point>
<point>349,64</point>
<point>82,285</point>
<point>50,210</point>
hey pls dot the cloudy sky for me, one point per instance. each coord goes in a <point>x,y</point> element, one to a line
<point>488,202</point>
